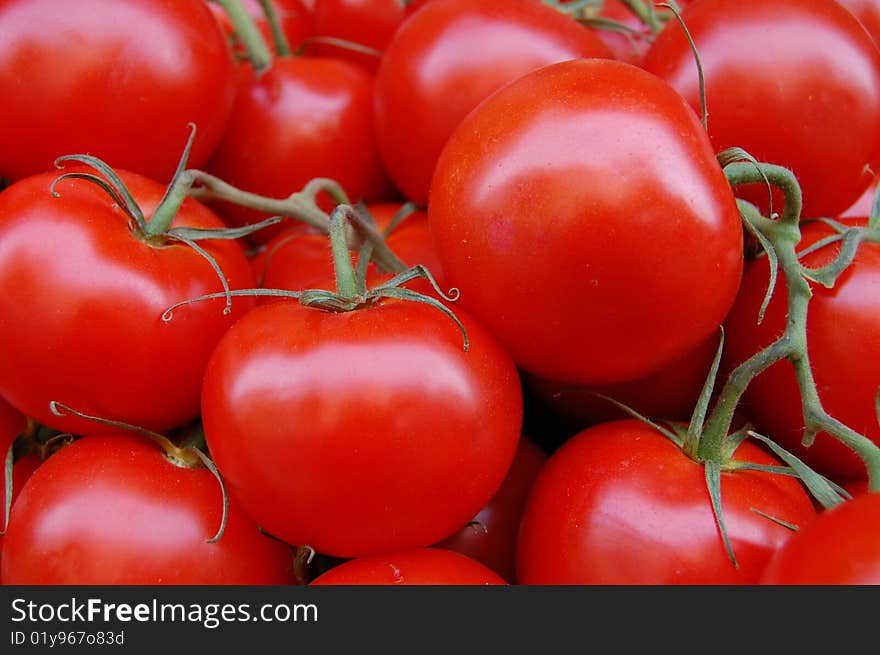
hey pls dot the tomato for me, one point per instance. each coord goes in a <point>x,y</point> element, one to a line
<point>628,48</point>
<point>305,117</point>
<point>843,338</point>
<point>12,424</point>
<point>671,393</point>
<point>120,80</point>
<point>491,537</point>
<point>295,21</point>
<point>111,509</point>
<point>868,13</point>
<point>449,56</point>
<point>369,23</point>
<point>841,547</point>
<point>360,432</point>
<point>542,261</point>
<point>82,299</point>
<point>425,566</point>
<point>299,258</point>
<point>793,82</point>
<point>619,503</point>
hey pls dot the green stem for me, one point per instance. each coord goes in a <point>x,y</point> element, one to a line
<point>160,221</point>
<point>282,45</point>
<point>346,284</point>
<point>247,32</point>
<point>645,13</point>
<point>784,236</point>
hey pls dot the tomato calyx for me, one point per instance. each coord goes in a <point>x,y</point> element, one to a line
<point>188,455</point>
<point>351,292</point>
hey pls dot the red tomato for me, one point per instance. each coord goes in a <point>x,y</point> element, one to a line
<point>362,432</point>
<point>844,347</point>
<point>426,566</point>
<point>303,118</point>
<point>491,537</point>
<point>299,259</point>
<point>12,424</point>
<point>112,509</point>
<point>840,547</point>
<point>619,503</point>
<point>82,302</point>
<point>793,82</point>
<point>293,17</point>
<point>369,23</point>
<point>449,56</point>
<point>542,261</point>
<point>628,48</point>
<point>120,80</point>
<point>671,393</point>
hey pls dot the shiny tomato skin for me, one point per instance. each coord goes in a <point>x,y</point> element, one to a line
<point>82,299</point>
<point>362,432</point>
<point>425,566</point>
<point>449,56</point>
<point>305,117</point>
<point>542,261</point>
<point>300,259</point>
<point>773,92</point>
<point>491,539</point>
<point>12,424</point>
<point>294,18</point>
<point>843,335</point>
<point>111,509</point>
<point>119,80</point>
<point>619,503</point>
<point>868,13</point>
<point>863,206</point>
<point>369,23</point>
<point>840,547</point>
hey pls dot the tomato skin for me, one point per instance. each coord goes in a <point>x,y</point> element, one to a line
<point>95,70</point>
<point>771,91</point>
<point>12,424</point>
<point>305,117</point>
<point>426,566</point>
<point>328,429</point>
<point>449,56</point>
<point>619,503</point>
<point>295,19</point>
<point>81,304</point>
<point>493,541</point>
<point>840,547</point>
<point>111,509</point>
<point>371,23</point>
<point>22,470</point>
<point>868,13</point>
<point>299,258</point>
<point>541,261</point>
<point>863,206</point>
<point>846,374</point>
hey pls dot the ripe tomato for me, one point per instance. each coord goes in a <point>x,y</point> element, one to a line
<point>491,537</point>
<point>362,432</point>
<point>299,259</point>
<point>120,80</point>
<point>81,304</point>
<point>840,547</point>
<point>293,17</point>
<point>542,260</point>
<point>305,117</point>
<point>619,503</point>
<point>12,424</point>
<point>843,337</point>
<point>22,470</point>
<point>426,566</point>
<point>449,56</point>
<point>793,82</point>
<point>369,23</point>
<point>863,206</point>
<point>111,509</point>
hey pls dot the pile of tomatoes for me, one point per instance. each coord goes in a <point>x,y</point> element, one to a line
<point>434,292</point>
